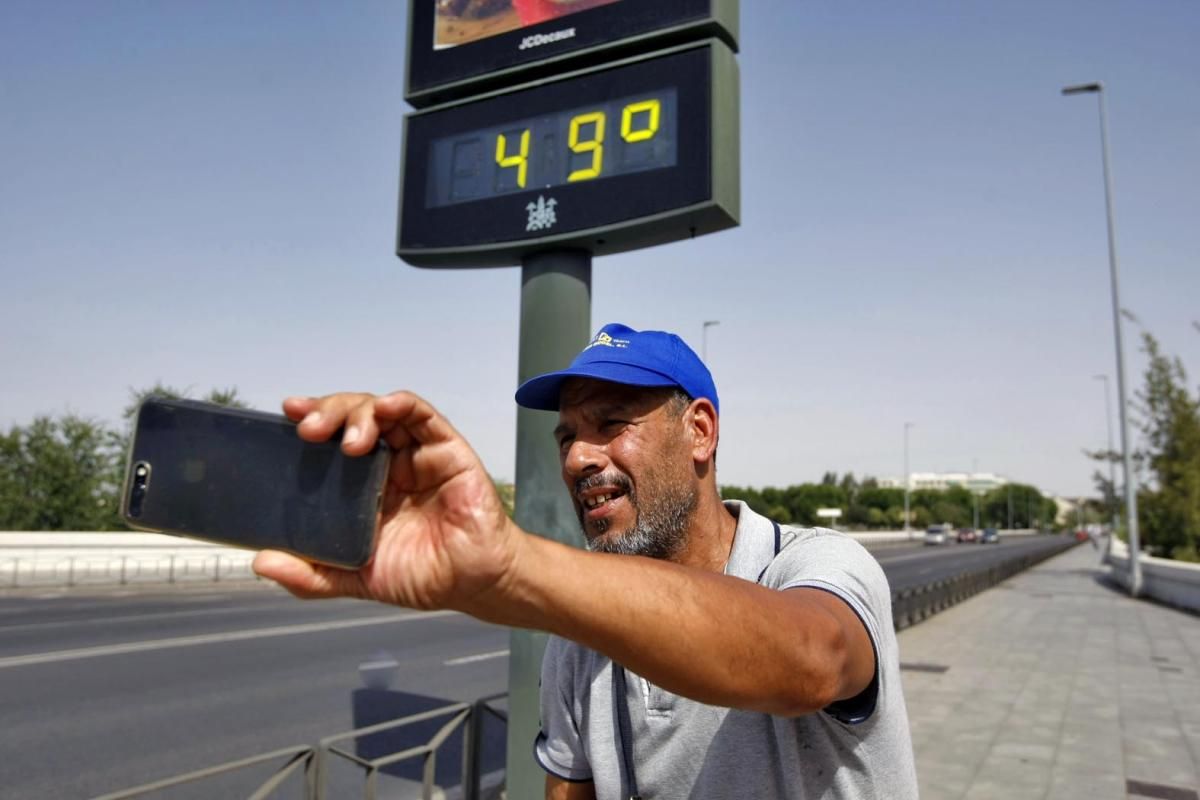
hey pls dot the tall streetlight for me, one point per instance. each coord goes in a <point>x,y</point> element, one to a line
<point>907,480</point>
<point>708,323</point>
<point>1112,468</point>
<point>1131,515</point>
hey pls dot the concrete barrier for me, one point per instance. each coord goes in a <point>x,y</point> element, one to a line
<point>116,558</point>
<point>1175,583</point>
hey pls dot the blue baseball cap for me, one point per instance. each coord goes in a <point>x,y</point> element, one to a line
<point>620,354</point>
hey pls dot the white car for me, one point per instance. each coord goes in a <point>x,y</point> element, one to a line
<point>936,534</point>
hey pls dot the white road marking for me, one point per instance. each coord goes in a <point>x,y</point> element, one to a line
<point>212,638</point>
<point>454,662</point>
<point>83,623</point>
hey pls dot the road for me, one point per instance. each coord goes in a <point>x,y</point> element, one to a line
<point>911,566</point>
<point>103,692</point>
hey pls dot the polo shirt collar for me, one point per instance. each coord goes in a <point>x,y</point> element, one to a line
<point>753,542</point>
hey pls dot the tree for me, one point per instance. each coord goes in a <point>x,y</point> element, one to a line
<point>60,474</point>
<point>1169,507</point>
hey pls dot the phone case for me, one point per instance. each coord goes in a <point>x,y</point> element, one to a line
<point>244,478</point>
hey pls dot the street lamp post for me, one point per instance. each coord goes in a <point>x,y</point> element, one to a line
<point>1131,515</point>
<point>907,480</point>
<point>1112,468</point>
<point>708,323</point>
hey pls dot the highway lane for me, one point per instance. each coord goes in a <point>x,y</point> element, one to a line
<point>102,720</point>
<point>107,691</point>
<point>906,567</point>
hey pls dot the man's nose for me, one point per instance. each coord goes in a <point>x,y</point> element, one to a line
<point>584,458</point>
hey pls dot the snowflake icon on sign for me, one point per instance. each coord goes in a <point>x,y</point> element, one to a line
<point>541,214</point>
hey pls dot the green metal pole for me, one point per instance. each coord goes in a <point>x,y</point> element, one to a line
<point>556,307</point>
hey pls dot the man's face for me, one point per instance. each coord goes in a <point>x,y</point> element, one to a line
<point>627,462</point>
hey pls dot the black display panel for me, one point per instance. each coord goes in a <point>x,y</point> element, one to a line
<point>459,48</point>
<point>595,150</point>
<point>592,142</point>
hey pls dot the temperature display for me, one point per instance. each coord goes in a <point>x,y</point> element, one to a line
<point>630,134</point>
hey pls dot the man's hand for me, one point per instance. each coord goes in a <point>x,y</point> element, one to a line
<point>444,539</point>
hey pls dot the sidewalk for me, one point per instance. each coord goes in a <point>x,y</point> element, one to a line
<point>1057,687</point>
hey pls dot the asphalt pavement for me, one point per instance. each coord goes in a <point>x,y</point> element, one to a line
<point>906,567</point>
<point>110,689</point>
<point>103,693</point>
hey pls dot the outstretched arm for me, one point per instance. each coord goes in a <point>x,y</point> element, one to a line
<point>445,542</point>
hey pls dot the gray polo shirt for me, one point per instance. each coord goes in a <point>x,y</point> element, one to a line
<point>685,749</point>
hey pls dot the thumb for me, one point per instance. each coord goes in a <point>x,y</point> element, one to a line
<point>305,579</point>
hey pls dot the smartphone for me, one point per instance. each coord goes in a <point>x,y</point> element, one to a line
<point>244,478</point>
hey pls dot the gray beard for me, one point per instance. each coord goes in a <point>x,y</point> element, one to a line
<point>659,529</point>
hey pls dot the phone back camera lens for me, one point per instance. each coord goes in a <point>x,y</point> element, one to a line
<point>137,492</point>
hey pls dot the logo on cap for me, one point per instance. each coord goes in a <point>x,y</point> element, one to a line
<point>604,340</point>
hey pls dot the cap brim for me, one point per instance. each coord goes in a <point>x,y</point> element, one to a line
<point>542,392</point>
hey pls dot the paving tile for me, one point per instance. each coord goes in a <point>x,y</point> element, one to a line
<point>1009,778</point>
<point>1055,698</point>
<point>1086,786</point>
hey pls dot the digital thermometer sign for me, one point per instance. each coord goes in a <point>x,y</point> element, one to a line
<point>601,140</point>
<point>640,152</point>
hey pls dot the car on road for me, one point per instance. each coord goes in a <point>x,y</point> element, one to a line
<point>967,535</point>
<point>937,534</point>
<point>990,536</point>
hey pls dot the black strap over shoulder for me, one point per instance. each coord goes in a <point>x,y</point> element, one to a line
<point>621,705</point>
<point>624,729</point>
<point>778,545</point>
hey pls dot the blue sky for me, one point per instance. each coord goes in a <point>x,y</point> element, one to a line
<point>205,194</point>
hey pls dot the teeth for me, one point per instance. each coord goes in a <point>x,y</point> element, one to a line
<point>592,502</point>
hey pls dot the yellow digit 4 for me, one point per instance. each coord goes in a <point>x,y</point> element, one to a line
<point>595,145</point>
<point>520,160</point>
<point>651,107</point>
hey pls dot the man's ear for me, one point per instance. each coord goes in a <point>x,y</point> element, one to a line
<point>704,427</point>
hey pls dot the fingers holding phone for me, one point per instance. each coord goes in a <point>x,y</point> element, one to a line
<point>319,418</point>
<point>444,536</point>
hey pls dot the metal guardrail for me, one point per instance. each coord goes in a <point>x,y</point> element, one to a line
<point>299,758</point>
<point>914,604</point>
<point>313,762</point>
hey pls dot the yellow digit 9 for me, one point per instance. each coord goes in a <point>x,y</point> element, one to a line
<point>651,107</point>
<point>595,145</point>
<point>520,160</point>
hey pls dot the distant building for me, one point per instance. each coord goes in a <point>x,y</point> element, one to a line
<point>974,481</point>
<point>1067,510</point>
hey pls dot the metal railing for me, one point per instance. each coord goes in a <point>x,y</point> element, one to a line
<point>298,759</point>
<point>916,603</point>
<point>314,762</point>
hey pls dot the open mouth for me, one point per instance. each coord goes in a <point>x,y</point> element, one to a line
<point>600,501</point>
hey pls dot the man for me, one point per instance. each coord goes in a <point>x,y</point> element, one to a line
<point>700,650</point>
